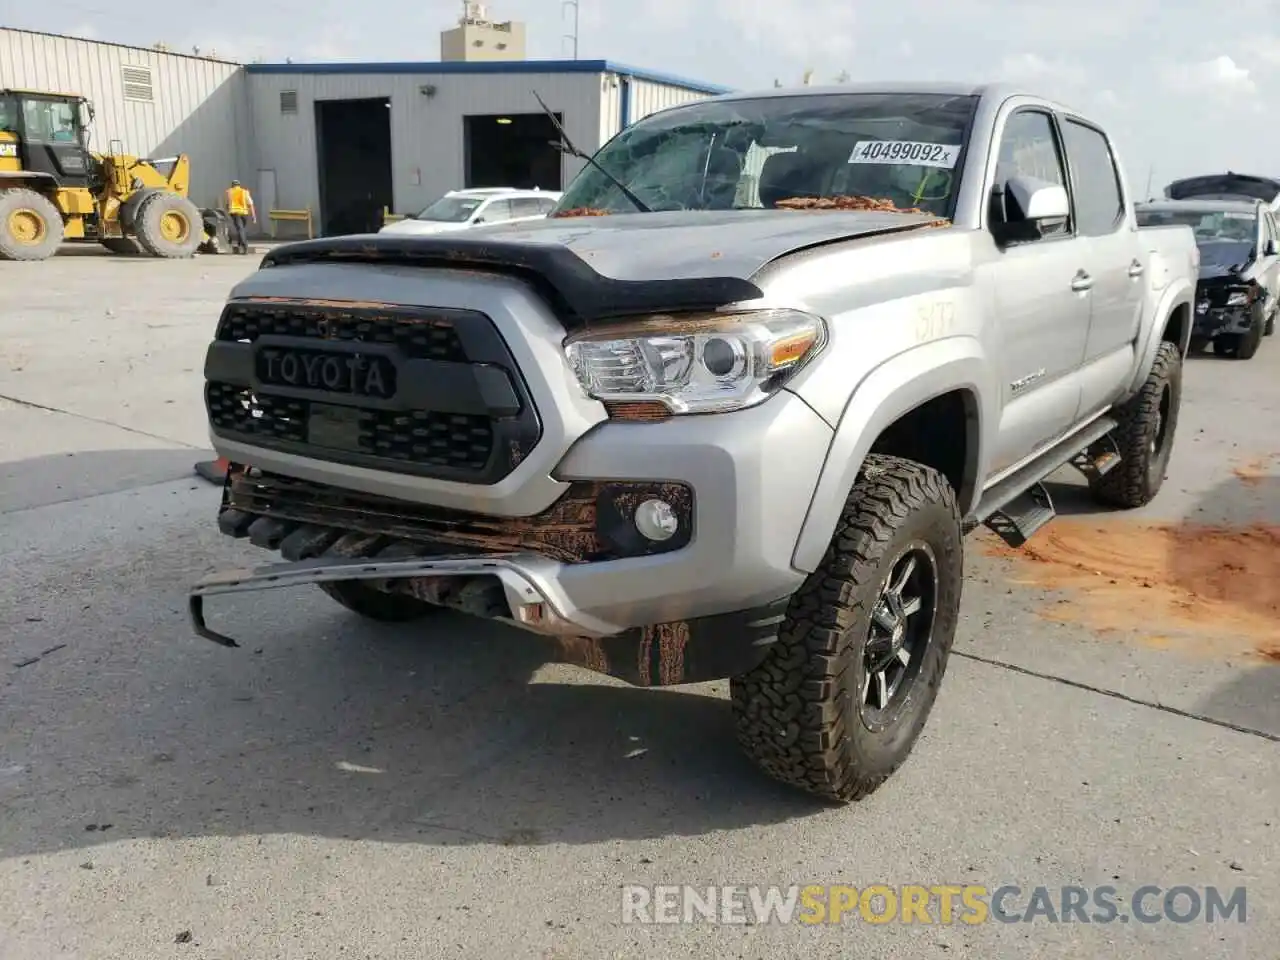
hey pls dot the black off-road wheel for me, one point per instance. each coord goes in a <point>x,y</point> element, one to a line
<point>168,226</point>
<point>1144,437</point>
<point>838,704</point>
<point>31,227</point>
<point>1197,345</point>
<point>375,604</point>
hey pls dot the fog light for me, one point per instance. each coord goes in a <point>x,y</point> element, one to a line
<point>656,520</point>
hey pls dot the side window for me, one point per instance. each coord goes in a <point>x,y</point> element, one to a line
<point>1099,199</point>
<point>1029,148</point>
<point>49,121</point>
<point>545,204</point>
<point>8,115</point>
<point>495,211</point>
<point>525,207</point>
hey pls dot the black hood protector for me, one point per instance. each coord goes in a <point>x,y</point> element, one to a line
<point>694,260</point>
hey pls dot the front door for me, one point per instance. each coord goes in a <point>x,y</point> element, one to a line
<point>1039,293</point>
<point>51,140</point>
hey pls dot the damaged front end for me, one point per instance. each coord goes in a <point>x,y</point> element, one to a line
<point>1226,305</point>
<point>494,568</point>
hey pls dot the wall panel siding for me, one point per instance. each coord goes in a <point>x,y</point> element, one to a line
<point>427,138</point>
<point>198,107</point>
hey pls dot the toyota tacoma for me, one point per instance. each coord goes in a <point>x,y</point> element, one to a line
<point>730,411</point>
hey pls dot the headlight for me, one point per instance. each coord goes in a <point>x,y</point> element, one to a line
<point>1240,298</point>
<point>708,363</point>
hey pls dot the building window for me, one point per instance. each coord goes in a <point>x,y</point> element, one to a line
<point>288,101</point>
<point>137,84</point>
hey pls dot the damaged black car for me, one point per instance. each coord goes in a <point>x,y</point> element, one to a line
<point>1238,293</point>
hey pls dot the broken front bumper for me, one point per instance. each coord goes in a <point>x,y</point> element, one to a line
<point>1212,321</point>
<point>663,654</point>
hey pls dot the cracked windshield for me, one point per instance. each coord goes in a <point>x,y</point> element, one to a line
<point>838,151</point>
<point>652,481</point>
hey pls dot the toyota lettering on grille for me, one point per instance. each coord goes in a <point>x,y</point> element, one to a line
<point>355,374</point>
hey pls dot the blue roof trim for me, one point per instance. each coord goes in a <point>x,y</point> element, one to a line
<point>498,67</point>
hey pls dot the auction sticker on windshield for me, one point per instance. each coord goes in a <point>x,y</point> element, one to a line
<point>913,152</point>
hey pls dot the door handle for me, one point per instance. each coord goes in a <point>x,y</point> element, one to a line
<point>1135,269</point>
<point>1081,282</point>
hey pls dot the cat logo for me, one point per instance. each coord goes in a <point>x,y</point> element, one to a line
<point>8,149</point>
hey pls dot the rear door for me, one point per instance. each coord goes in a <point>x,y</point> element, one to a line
<point>1040,299</point>
<point>1116,264</point>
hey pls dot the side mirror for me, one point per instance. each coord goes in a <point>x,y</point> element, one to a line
<point>1273,249</point>
<point>478,220</point>
<point>1031,206</point>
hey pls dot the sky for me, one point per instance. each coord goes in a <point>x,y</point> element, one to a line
<point>1183,88</point>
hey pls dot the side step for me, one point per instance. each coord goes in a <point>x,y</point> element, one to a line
<point>1017,506</point>
<point>1021,517</point>
<point>1099,458</point>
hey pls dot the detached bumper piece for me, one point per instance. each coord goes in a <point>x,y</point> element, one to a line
<point>664,654</point>
<point>491,567</point>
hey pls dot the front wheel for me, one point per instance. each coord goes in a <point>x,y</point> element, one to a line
<point>838,703</point>
<point>1144,435</point>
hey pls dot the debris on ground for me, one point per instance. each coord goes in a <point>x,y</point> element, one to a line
<point>28,661</point>
<point>1255,471</point>
<point>1217,582</point>
<point>183,937</point>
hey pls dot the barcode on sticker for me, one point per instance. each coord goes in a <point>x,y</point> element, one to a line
<point>913,152</point>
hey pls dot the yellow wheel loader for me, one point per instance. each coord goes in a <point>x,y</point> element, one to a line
<point>53,188</point>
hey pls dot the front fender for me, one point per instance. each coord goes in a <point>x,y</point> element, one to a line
<point>888,391</point>
<point>1180,293</point>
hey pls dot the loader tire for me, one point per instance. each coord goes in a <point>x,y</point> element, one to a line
<point>884,603</point>
<point>168,226</point>
<point>124,246</point>
<point>1148,422</point>
<point>377,605</point>
<point>31,227</point>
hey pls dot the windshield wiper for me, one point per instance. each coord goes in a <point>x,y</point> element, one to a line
<point>567,146</point>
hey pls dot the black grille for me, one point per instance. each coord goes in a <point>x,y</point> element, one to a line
<point>419,338</point>
<point>459,411</point>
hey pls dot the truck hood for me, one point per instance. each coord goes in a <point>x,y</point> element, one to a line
<point>1224,186</point>
<point>597,268</point>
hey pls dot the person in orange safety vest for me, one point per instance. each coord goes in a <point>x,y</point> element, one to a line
<point>240,208</point>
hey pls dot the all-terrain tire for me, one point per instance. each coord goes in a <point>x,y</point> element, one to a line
<point>799,714</point>
<point>169,226</point>
<point>31,227</point>
<point>376,605</point>
<point>1148,423</point>
<point>1271,323</point>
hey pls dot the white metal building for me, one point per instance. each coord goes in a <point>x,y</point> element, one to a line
<point>156,104</point>
<point>259,122</point>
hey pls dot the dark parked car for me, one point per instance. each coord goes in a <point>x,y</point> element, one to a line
<point>1238,293</point>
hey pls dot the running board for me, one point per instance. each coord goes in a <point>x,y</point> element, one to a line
<point>1019,505</point>
<point>1099,459</point>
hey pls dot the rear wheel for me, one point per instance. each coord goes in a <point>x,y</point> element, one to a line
<point>838,703</point>
<point>375,604</point>
<point>1144,436</point>
<point>168,226</point>
<point>30,226</point>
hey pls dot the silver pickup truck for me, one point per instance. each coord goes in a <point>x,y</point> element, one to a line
<point>729,411</point>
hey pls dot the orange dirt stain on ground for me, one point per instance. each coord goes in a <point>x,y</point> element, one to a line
<point>1219,584</point>
<point>1255,471</point>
